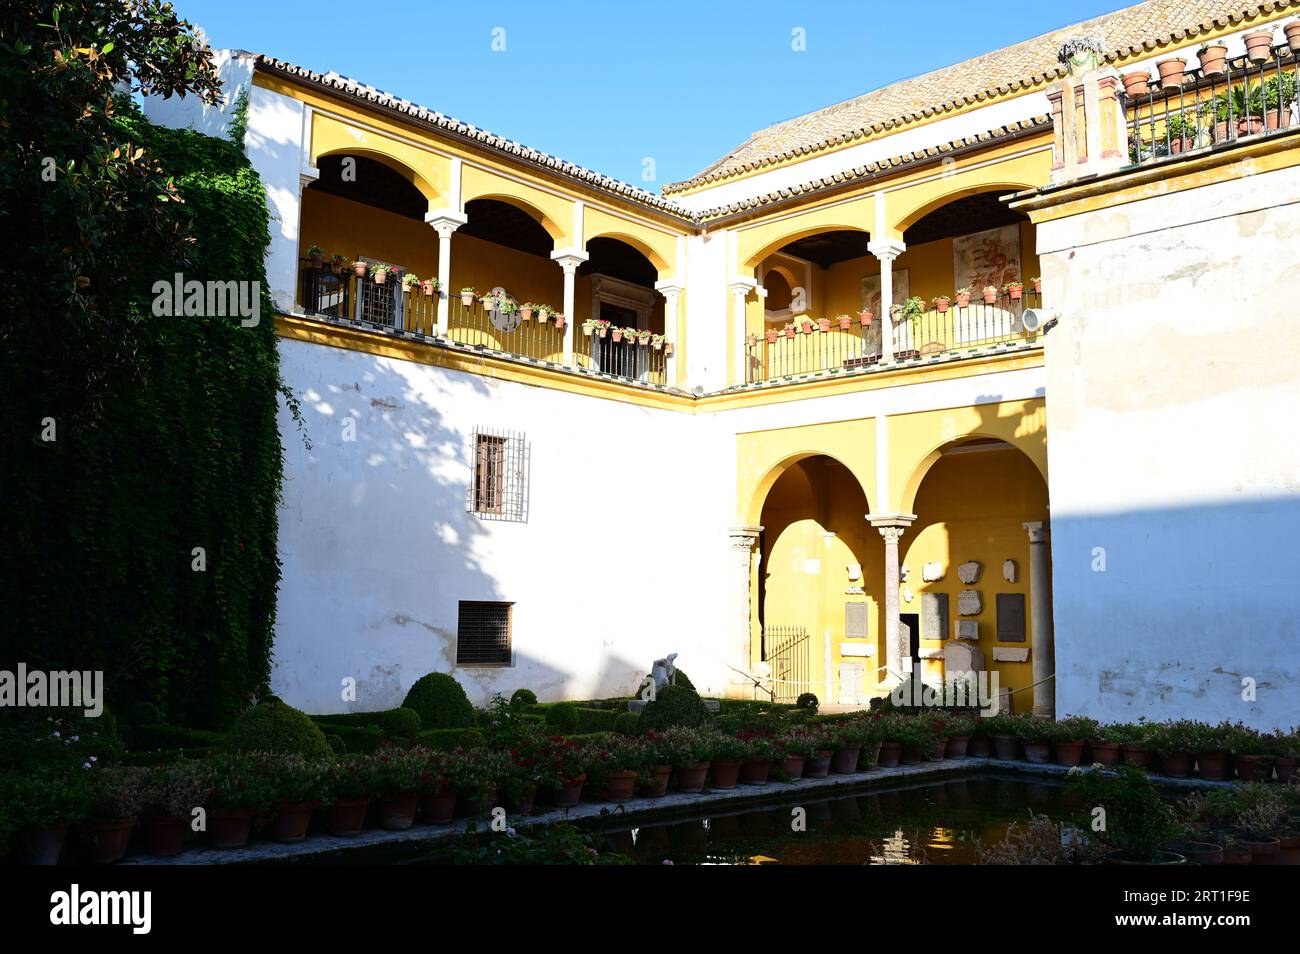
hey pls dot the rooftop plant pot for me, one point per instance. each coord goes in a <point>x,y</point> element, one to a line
<point>1214,59</point>
<point>692,779</point>
<point>44,845</point>
<point>1171,70</point>
<point>346,816</point>
<point>1259,44</point>
<point>620,785</point>
<point>891,753</point>
<point>438,809</point>
<point>1176,764</point>
<point>818,765</point>
<point>164,835</point>
<point>792,767</point>
<point>659,787</point>
<point>1136,755</point>
<point>1212,765</point>
<point>725,773</point>
<point>1277,118</point>
<point>845,760</point>
<point>1161,858</point>
<point>979,747</point>
<point>1201,852</point>
<point>1292,31</point>
<point>1104,753</point>
<point>106,839</point>
<point>1004,747</point>
<point>229,829</point>
<point>1069,753</point>
<point>1038,752</point>
<point>1250,126</point>
<point>1137,83</point>
<point>290,822</point>
<point>957,747</point>
<point>755,771</point>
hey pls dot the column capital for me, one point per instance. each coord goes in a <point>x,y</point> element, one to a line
<point>1037,530</point>
<point>882,520</point>
<point>445,221</point>
<point>669,287</point>
<point>569,258</point>
<point>740,285</point>
<point>744,537</point>
<point>307,175</point>
<point>886,249</point>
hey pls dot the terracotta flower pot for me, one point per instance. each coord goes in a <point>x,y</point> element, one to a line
<point>1038,286</point>
<point>1137,83</point>
<point>359,269</point>
<point>792,766</point>
<point>106,839</point>
<point>317,259</point>
<point>45,845</point>
<point>1176,764</point>
<point>617,336</point>
<point>890,754</point>
<point>1253,768</point>
<point>381,277</point>
<point>523,804</point>
<point>427,287</point>
<point>1263,851</point>
<point>1214,59</point>
<point>1016,292</point>
<point>164,835</point>
<point>846,323</point>
<point>912,755</point>
<point>438,809</point>
<point>1277,118</point>
<point>397,810</point>
<point>963,301</point>
<point>525,314</point>
<point>1005,747</point>
<point>725,772</point>
<point>229,829</point>
<point>1104,753</point>
<point>789,332</point>
<point>1286,769</point>
<point>692,779</point>
<point>1069,753</point>
<point>659,787</point>
<point>336,268</point>
<point>806,326</point>
<point>755,771</point>
<point>941,304</point>
<point>1250,126</point>
<point>620,785</point>
<point>979,747</point>
<point>990,296</point>
<point>818,766</point>
<point>1292,32</point>
<point>940,750</point>
<point>1237,855</point>
<point>467,300</point>
<point>1212,765</point>
<point>1162,858</point>
<point>957,747</point>
<point>845,760</point>
<point>824,324</point>
<point>347,816</point>
<point>1038,752</point>
<point>771,336</point>
<point>865,318</point>
<point>1259,44</point>
<point>290,822</point>
<point>1171,70</point>
<point>1136,755</point>
<point>1202,852</point>
<point>560,321</point>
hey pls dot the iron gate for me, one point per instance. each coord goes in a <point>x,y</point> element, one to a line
<point>785,649</point>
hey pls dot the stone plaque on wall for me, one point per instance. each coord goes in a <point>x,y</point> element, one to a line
<point>1011,617</point>
<point>855,620</point>
<point>934,615</point>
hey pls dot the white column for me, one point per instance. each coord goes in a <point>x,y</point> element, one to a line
<point>1042,643</point>
<point>891,527</point>
<point>743,541</point>
<point>740,288</point>
<point>672,292</point>
<point>444,221</point>
<point>886,251</point>
<point>569,259</point>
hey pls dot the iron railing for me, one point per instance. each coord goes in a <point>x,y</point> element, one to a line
<point>786,651</point>
<point>1210,104</point>
<point>394,305</point>
<point>956,331</point>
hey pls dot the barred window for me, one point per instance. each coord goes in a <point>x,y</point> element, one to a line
<point>483,634</point>
<point>499,480</point>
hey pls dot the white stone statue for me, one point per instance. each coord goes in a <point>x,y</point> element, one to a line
<point>663,671</point>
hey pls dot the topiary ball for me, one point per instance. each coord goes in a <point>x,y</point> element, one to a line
<point>283,730</point>
<point>440,702</point>
<point>143,713</point>
<point>563,718</point>
<point>628,723</point>
<point>673,705</point>
<point>523,697</point>
<point>807,700</point>
<point>400,723</point>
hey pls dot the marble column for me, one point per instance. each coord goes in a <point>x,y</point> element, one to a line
<point>569,260</point>
<point>1042,647</point>
<point>740,289</point>
<point>444,222</point>
<point>891,527</point>
<point>886,251</point>
<point>743,541</point>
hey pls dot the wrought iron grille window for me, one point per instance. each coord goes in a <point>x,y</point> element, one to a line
<point>499,481</point>
<point>483,634</point>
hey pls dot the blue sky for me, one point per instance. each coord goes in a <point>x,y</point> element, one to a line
<point>609,84</point>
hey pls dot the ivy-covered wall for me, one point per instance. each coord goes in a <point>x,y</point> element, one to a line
<point>104,570</point>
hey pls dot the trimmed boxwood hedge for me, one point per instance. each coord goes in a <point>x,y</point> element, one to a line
<point>441,702</point>
<point>276,727</point>
<point>162,736</point>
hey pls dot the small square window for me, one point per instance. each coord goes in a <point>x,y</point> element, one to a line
<point>483,633</point>
<point>498,487</point>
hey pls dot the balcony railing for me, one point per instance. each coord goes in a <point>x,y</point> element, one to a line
<point>394,305</point>
<point>1219,101</point>
<point>853,343</point>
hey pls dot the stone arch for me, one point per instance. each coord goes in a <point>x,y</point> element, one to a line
<point>661,264</point>
<point>758,496</point>
<point>907,500</point>
<point>775,245</point>
<point>426,188</point>
<point>925,207</point>
<point>553,229</point>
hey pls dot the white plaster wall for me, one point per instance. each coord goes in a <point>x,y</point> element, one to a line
<point>1174,454</point>
<point>235,67</point>
<point>622,559</point>
<point>707,303</point>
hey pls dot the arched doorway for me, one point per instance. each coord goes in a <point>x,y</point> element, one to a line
<point>820,610</point>
<point>627,335</point>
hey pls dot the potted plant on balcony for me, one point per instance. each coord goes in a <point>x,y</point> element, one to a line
<point>616,334</point>
<point>845,322</point>
<point>990,294</point>
<point>1038,285</point>
<point>962,296</point>
<point>790,330</point>
<point>490,302</point>
<point>506,306</point>
<point>824,325</point>
<point>360,269</point>
<point>602,327</point>
<point>941,303</point>
<point>668,349</point>
<point>806,325</point>
<point>865,317</point>
<point>379,272</point>
<point>545,313</point>
<point>771,335</point>
<point>1171,69</point>
<point>430,286</point>
<point>560,320</point>
<point>1014,289</point>
<point>336,264</point>
<point>643,336</point>
<point>410,281</point>
<point>1137,83</point>
<point>1213,57</point>
<point>526,311</point>
<point>588,328</point>
<point>657,342</point>
<point>467,295</point>
<point>1259,44</point>
<point>317,256</point>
